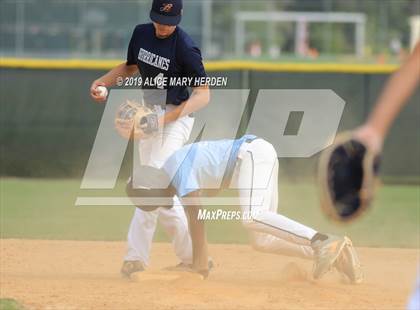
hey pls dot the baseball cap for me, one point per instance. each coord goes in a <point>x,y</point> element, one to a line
<point>166,12</point>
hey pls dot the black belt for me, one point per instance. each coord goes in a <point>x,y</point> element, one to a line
<point>230,167</point>
<point>249,140</point>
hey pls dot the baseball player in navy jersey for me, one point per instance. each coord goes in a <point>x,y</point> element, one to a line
<point>156,51</point>
<point>250,166</point>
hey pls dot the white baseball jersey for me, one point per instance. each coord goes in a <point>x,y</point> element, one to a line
<point>154,152</point>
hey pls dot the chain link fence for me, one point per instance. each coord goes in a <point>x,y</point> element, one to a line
<point>102,28</point>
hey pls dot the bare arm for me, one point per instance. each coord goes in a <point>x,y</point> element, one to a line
<point>198,237</point>
<point>395,95</point>
<point>110,78</point>
<point>200,97</point>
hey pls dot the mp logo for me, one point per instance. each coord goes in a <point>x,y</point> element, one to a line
<point>320,112</point>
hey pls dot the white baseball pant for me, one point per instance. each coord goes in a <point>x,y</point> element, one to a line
<point>256,178</point>
<point>154,152</point>
<point>414,301</point>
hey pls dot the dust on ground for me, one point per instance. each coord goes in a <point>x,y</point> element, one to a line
<point>73,275</point>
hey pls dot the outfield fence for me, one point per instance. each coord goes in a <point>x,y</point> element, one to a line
<point>49,122</point>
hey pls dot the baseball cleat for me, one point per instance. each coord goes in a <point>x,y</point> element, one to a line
<point>326,253</point>
<point>187,267</point>
<point>179,267</point>
<point>130,267</point>
<point>348,263</point>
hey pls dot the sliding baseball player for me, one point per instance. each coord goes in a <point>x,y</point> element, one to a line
<point>158,51</point>
<point>250,166</point>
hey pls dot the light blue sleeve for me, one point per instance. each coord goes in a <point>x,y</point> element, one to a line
<point>180,168</point>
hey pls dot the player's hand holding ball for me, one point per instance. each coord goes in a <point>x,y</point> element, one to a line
<point>102,91</point>
<point>98,91</point>
<point>135,120</point>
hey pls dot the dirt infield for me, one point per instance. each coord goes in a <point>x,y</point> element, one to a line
<point>85,275</point>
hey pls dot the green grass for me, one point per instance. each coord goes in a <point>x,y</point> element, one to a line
<point>44,209</point>
<point>10,304</point>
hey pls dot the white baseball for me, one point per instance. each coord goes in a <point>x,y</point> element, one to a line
<point>103,92</point>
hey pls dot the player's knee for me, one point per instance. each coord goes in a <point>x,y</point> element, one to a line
<point>248,224</point>
<point>257,246</point>
<point>258,242</point>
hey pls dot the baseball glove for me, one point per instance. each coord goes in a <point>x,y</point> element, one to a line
<point>134,120</point>
<point>347,175</point>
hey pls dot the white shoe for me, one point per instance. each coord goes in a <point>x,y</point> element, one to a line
<point>348,263</point>
<point>326,253</point>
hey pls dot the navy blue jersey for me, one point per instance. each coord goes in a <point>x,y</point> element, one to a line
<point>176,56</point>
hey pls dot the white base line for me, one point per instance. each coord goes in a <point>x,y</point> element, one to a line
<point>186,201</point>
